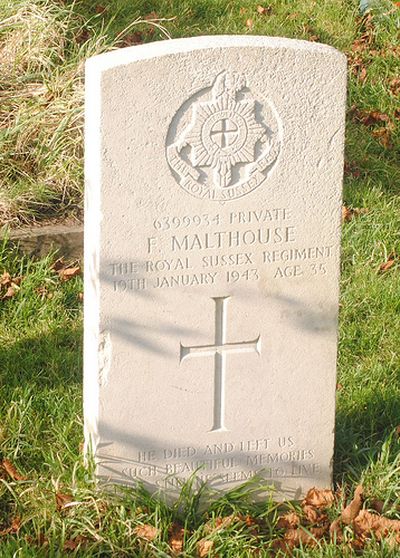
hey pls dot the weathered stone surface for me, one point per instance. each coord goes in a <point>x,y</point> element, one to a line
<point>214,170</point>
<point>67,240</point>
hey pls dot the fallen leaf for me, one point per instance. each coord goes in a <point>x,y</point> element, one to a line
<point>69,272</point>
<point>264,10</point>
<point>132,39</point>
<point>100,9</point>
<point>339,387</point>
<point>62,499</point>
<point>351,169</point>
<point>296,537</point>
<point>395,86</point>
<point>362,74</point>
<point>369,118</point>
<point>319,498</point>
<point>288,521</point>
<point>249,23</point>
<point>387,265</point>
<point>5,279</point>
<point>16,524</point>
<point>369,524</point>
<point>242,11</point>
<point>58,264</point>
<point>11,291</point>
<point>146,532</point>
<point>348,213</point>
<point>176,537</point>
<point>313,515</point>
<point>11,470</point>
<point>73,544</point>
<point>384,135</point>
<point>336,532</point>
<point>294,15</point>
<point>204,548</point>
<point>80,297</point>
<point>352,510</point>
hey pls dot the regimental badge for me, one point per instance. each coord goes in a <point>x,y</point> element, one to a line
<point>222,143</point>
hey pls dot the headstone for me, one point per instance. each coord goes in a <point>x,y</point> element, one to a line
<point>214,169</point>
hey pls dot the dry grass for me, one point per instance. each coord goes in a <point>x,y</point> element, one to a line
<point>43,49</point>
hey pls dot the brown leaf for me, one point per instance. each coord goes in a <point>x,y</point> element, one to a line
<point>250,521</point>
<point>62,499</point>
<point>384,135</point>
<point>395,86</point>
<point>73,544</point>
<point>132,39</point>
<point>362,74</point>
<point>296,537</point>
<point>319,498</point>
<point>176,537</point>
<point>250,23</point>
<point>373,117</point>
<point>204,548</point>
<point>313,515</point>
<point>288,521</point>
<point>370,524</point>
<point>58,264</point>
<point>5,279</point>
<point>353,509</point>
<point>351,169</point>
<point>388,264</point>
<point>336,532</point>
<point>264,10</point>
<point>15,525</point>
<point>69,272</point>
<point>11,291</point>
<point>146,532</point>
<point>11,470</point>
<point>348,213</point>
<point>100,9</point>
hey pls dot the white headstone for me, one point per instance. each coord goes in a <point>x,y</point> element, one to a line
<point>214,169</point>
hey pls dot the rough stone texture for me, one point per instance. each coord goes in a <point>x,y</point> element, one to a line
<point>214,169</point>
<point>67,240</point>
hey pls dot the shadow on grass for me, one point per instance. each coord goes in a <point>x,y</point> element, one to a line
<point>46,361</point>
<point>361,432</point>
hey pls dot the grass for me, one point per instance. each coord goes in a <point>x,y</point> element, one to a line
<point>43,46</point>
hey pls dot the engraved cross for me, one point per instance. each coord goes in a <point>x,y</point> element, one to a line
<point>219,351</point>
<point>224,133</point>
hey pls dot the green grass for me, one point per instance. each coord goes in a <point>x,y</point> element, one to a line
<point>44,45</point>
